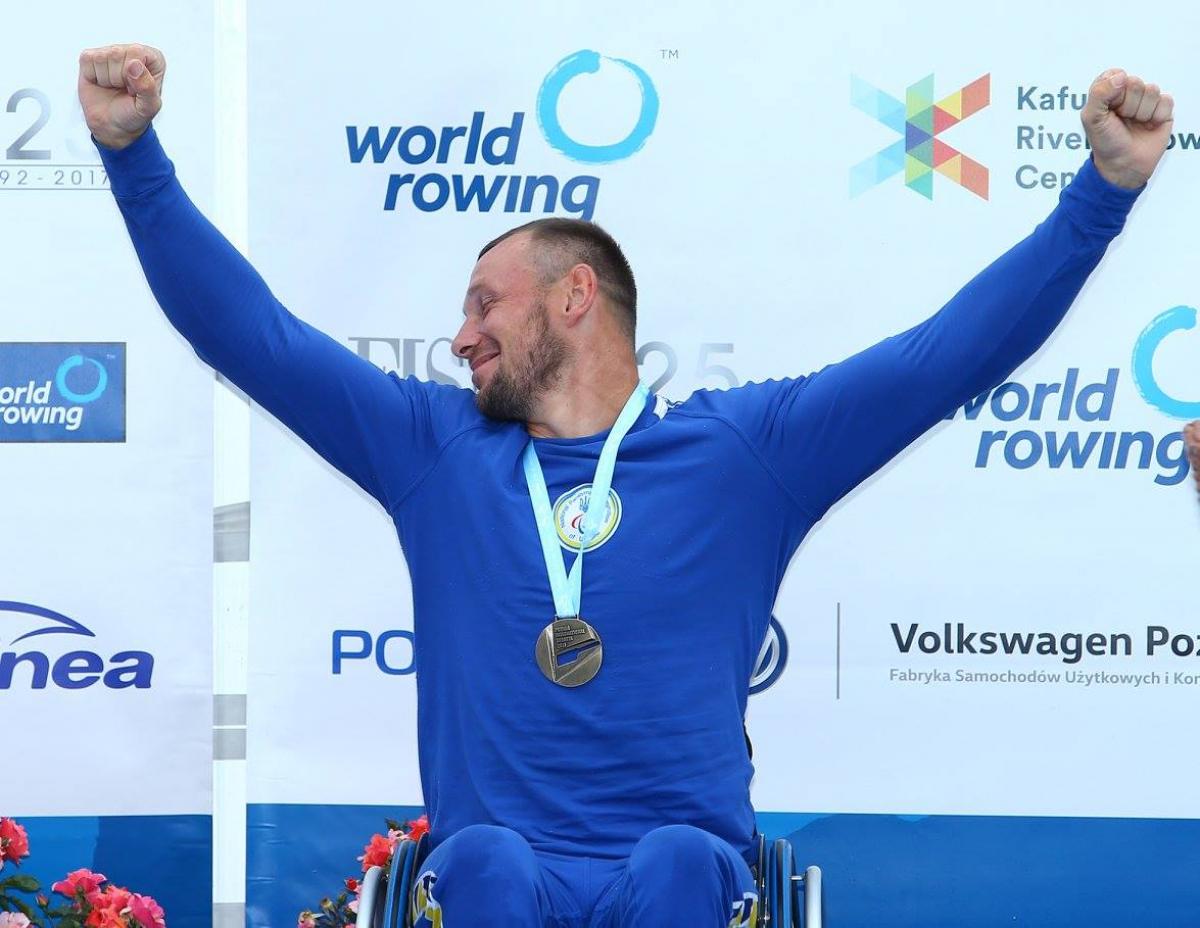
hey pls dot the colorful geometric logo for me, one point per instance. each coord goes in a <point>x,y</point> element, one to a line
<point>920,121</point>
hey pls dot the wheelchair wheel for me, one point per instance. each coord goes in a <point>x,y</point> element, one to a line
<point>768,896</point>
<point>786,899</point>
<point>370,912</point>
<point>404,889</point>
<point>784,870</point>
<point>760,883</point>
<point>395,909</point>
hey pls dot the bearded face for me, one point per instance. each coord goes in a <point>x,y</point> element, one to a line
<point>523,371</point>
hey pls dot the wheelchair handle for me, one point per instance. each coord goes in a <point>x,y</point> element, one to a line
<point>810,882</point>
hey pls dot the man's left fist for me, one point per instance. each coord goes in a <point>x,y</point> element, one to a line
<point>1128,124</point>
<point>1191,438</point>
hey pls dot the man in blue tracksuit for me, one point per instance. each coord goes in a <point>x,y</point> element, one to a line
<point>582,756</point>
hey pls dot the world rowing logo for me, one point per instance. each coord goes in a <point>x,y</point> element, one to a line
<point>587,61</point>
<point>1176,319</point>
<point>569,512</point>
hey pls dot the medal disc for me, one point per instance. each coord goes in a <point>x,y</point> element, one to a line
<point>569,652</point>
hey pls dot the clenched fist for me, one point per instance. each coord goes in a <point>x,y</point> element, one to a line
<point>120,89</point>
<point>1128,124</point>
<point>1191,437</point>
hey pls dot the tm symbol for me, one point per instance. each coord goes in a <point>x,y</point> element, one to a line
<point>669,54</point>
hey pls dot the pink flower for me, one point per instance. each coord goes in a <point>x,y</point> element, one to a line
<point>105,917</point>
<point>112,897</point>
<point>146,911</point>
<point>352,905</point>
<point>14,842</point>
<point>79,881</point>
<point>418,827</point>
<point>13,920</point>
<point>307,920</point>
<point>108,907</point>
<point>378,853</point>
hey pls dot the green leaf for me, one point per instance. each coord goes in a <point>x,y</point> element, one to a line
<point>26,884</point>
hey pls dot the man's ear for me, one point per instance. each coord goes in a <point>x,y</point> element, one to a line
<point>583,289</point>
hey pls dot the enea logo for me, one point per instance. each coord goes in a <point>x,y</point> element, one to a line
<point>919,120</point>
<point>72,670</point>
<point>62,392</point>
<point>772,658</point>
<point>1084,399</point>
<point>497,143</point>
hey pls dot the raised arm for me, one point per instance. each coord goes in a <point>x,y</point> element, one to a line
<point>826,433</point>
<point>373,427</point>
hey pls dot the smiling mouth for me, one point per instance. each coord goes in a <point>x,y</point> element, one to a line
<point>477,366</point>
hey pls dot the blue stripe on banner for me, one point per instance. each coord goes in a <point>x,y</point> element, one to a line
<point>987,872</point>
<point>168,857</point>
<point>296,855</point>
<point>903,871</point>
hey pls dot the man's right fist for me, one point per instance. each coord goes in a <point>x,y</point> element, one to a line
<point>120,89</point>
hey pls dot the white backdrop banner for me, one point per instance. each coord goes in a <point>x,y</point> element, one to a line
<point>991,638</point>
<point>106,468</point>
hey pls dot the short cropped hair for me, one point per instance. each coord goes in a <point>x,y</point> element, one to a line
<point>567,242</point>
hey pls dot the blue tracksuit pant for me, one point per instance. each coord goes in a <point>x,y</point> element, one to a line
<point>676,875</point>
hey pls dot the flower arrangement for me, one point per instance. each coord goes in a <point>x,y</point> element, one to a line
<point>93,902</point>
<point>342,910</point>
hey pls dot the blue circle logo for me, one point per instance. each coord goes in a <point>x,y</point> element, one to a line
<point>1176,319</point>
<point>588,62</point>
<point>77,360</point>
<point>772,658</point>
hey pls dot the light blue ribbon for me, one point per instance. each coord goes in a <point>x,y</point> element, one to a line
<point>567,590</point>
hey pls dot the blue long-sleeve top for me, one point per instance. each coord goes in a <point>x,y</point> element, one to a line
<point>681,582</point>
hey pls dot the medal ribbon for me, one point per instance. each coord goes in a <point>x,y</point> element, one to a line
<point>567,590</point>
